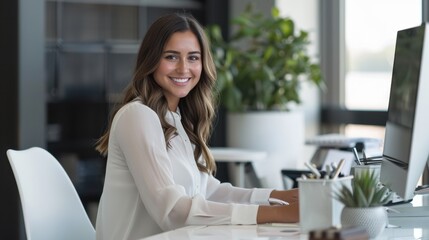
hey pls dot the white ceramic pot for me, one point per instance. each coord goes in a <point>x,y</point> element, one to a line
<point>278,133</point>
<point>373,219</point>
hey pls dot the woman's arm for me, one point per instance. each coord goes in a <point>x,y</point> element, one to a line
<point>266,214</point>
<point>284,213</point>
<point>278,214</point>
<point>225,192</point>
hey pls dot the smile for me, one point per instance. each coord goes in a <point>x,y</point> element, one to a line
<point>180,80</point>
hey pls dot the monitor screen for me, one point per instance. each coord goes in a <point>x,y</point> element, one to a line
<point>406,148</point>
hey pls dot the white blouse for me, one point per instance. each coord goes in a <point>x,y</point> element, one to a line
<point>149,189</point>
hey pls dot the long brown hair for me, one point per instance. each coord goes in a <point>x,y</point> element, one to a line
<point>197,108</point>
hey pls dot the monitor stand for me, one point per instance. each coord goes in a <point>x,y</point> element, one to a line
<point>420,190</point>
<point>396,200</point>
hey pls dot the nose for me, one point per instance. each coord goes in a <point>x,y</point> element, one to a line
<point>182,66</point>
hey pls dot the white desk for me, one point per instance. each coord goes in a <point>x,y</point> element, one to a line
<point>236,160</point>
<point>412,215</point>
<point>239,232</point>
<point>407,228</point>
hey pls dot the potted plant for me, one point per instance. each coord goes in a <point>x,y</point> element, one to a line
<point>261,70</point>
<point>264,64</point>
<point>363,203</point>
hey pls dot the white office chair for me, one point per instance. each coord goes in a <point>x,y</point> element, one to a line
<point>51,206</point>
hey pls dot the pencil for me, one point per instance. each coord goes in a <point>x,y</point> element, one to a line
<point>338,170</point>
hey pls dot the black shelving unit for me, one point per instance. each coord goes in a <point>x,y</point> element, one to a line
<point>91,48</point>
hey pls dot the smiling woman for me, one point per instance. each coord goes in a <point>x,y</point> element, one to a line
<point>160,172</point>
<point>180,67</point>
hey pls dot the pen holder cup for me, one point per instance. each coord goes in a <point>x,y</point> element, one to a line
<point>359,169</point>
<point>318,208</point>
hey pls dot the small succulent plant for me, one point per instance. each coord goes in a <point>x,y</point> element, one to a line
<point>366,192</point>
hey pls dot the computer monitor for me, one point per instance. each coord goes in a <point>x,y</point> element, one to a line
<point>406,142</point>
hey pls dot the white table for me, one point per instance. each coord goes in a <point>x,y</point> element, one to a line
<point>405,227</point>
<point>236,160</point>
<point>265,232</point>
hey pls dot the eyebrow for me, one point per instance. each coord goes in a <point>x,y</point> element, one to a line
<point>176,52</point>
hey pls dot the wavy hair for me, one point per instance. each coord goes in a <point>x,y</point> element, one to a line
<point>197,108</point>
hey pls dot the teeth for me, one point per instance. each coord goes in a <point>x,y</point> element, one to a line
<point>180,80</point>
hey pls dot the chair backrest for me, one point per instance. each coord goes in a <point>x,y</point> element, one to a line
<point>51,206</point>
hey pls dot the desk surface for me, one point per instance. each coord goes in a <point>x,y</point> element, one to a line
<point>400,228</point>
<point>265,232</point>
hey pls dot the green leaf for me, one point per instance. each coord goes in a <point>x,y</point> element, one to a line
<point>365,192</point>
<point>286,27</point>
<point>275,12</point>
<point>360,196</point>
<point>252,66</point>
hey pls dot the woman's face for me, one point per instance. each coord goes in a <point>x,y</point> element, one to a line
<point>180,67</point>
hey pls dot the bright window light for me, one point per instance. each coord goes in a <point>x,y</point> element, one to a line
<point>370,36</point>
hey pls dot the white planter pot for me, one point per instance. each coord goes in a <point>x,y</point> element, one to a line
<point>280,134</point>
<point>373,219</point>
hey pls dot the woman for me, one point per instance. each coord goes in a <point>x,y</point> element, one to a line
<point>159,168</point>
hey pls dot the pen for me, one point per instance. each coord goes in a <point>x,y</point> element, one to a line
<point>313,170</point>
<point>328,171</point>
<point>364,155</point>
<point>357,160</point>
<point>338,170</point>
<point>277,201</point>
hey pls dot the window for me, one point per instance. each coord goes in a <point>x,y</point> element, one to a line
<point>370,36</point>
<point>357,48</point>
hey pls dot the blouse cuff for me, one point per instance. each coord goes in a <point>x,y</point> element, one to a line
<point>244,214</point>
<point>260,196</point>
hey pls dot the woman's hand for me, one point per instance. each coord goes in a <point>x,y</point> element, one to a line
<point>279,213</point>
<point>290,196</point>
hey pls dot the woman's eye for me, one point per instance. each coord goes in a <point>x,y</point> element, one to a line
<point>171,57</point>
<point>194,58</point>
